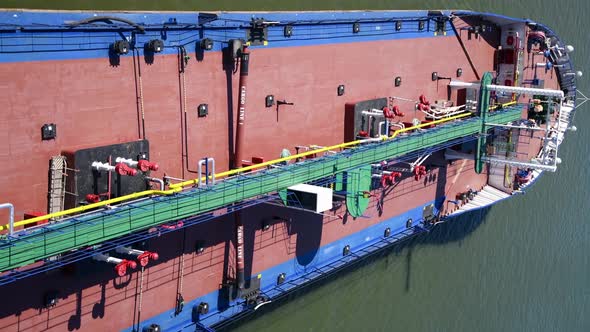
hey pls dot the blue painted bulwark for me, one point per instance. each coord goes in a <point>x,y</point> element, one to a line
<point>327,261</point>
<point>34,36</point>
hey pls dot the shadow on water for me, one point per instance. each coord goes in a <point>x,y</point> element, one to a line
<point>456,229</point>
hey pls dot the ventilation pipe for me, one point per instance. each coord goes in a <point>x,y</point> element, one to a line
<point>10,208</point>
<point>208,162</point>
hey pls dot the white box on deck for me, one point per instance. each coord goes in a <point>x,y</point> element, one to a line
<point>318,199</point>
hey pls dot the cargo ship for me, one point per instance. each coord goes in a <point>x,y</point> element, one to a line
<point>171,171</point>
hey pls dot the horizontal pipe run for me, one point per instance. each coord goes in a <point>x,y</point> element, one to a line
<point>128,162</point>
<point>177,187</point>
<point>515,127</point>
<point>100,166</point>
<point>528,91</point>
<point>551,168</point>
<point>129,251</point>
<point>108,259</point>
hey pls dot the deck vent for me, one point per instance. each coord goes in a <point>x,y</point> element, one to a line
<point>281,278</point>
<point>398,25</point>
<point>153,328</point>
<point>288,31</point>
<point>203,308</point>
<point>120,47</point>
<point>428,212</point>
<point>206,44</point>
<point>459,72</point>
<point>155,45</point>
<point>200,247</point>
<point>203,110</point>
<point>398,81</point>
<point>421,25</point>
<point>341,90</point>
<point>313,198</point>
<point>387,232</point>
<point>356,27</point>
<point>346,250</point>
<point>50,299</point>
<point>269,101</point>
<point>179,304</point>
<point>48,131</point>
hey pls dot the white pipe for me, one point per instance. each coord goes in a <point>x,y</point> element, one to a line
<point>381,174</point>
<point>10,208</point>
<point>404,99</point>
<point>567,48</point>
<point>160,181</point>
<point>529,91</point>
<point>461,84</point>
<point>200,170</point>
<point>129,251</point>
<point>523,126</point>
<point>372,140</point>
<point>128,162</point>
<point>100,166</point>
<point>445,110</point>
<point>381,126</point>
<point>166,177</point>
<point>437,117</point>
<point>551,168</point>
<point>577,74</point>
<point>212,170</point>
<point>108,259</point>
<point>372,113</point>
<point>398,124</point>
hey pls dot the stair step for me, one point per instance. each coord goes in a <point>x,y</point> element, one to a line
<point>468,206</point>
<point>488,196</point>
<point>495,191</point>
<point>483,200</point>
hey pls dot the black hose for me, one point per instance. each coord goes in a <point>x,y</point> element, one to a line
<point>106,19</point>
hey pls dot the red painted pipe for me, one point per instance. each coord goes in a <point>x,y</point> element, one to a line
<point>238,157</point>
<point>244,61</point>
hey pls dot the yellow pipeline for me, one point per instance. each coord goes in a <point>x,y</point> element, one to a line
<point>91,206</point>
<point>177,187</point>
<point>267,163</point>
<point>502,105</point>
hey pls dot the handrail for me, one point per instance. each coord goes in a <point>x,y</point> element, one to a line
<point>177,187</point>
